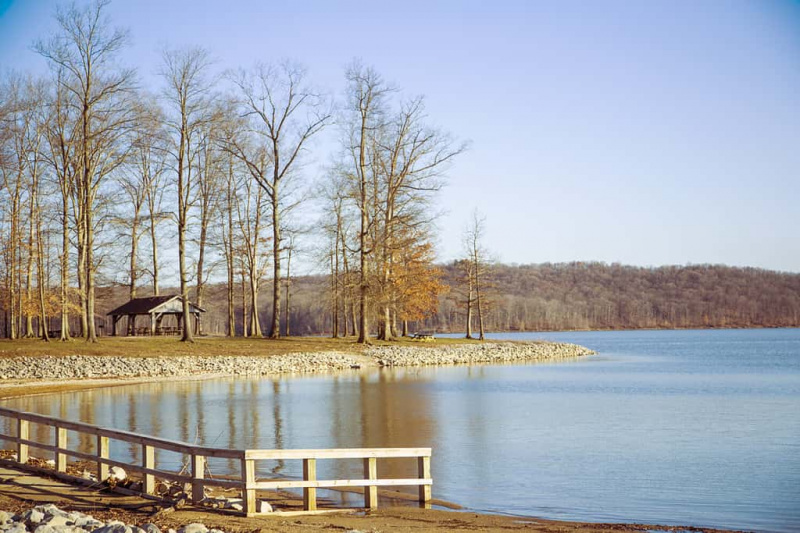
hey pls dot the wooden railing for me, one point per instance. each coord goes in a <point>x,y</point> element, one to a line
<point>247,482</point>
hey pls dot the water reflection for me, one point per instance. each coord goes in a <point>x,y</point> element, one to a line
<point>359,409</point>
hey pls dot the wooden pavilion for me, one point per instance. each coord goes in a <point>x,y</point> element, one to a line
<point>157,308</point>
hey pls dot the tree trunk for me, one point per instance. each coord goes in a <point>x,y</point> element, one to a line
<point>91,333</point>
<point>29,331</point>
<point>275,329</point>
<point>255,322</point>
<point>40,274</point>
<point>469,304</point>
<point>154,244</point>
<point>480,311</point>
<point>245,316</point>
<point>65,334</point>
<point>200,286</point>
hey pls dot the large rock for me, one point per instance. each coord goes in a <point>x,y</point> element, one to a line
<point>33,517</point>
<point>114,527</point>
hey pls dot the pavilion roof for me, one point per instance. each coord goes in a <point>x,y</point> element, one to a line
<point>149,304</point>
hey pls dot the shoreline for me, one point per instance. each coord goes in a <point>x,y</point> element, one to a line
<point>41,374</point>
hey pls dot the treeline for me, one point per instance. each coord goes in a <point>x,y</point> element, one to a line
<point>565,296</point>
<point>203,176</point>
<point>593,295</point>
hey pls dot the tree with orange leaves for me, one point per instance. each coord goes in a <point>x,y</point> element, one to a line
<point>417,284</point>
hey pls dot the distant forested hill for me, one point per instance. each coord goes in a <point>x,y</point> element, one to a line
<point>601,296</point>
<point>562,296</point>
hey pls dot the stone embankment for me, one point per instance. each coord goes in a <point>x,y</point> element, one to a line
<point>101,367</point>
<point>106,367</point>
<point>50,519</point>
<point>470,354</point>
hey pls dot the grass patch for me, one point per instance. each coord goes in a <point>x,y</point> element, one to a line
<point>203,346</point>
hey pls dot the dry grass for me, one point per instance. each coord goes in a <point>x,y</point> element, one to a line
<point>203,346</point>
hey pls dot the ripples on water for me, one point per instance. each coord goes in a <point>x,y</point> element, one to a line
<point>671,427</point>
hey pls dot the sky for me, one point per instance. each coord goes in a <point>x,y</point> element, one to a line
<point>644,133</point>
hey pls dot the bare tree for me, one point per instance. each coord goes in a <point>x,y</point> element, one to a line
<point>366,91</point>
<point>86,50</point>
<point>151,148</point>
<point>13,174</point>
<point>478,263</point>
<point>62,142</point>
<point>209,182</point>
<point>250,206</point>
<point>411,157</point>
<point>187,94</point>
<point>285,114</point>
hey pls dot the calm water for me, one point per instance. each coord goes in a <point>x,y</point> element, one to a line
<point>672,427</point>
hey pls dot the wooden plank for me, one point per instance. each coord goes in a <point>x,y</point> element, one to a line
<point>60,443</point>
<point>309,492</point>
<point>102,453</point>
<point>371,491</point>
<point>38,445</point>
<point>341,453</point>
<point>332,483</point>
<point>249,492</point>
<point>198,472</point>
<point>23,434</point>
<point>149,464</point>
<point>424,472</point>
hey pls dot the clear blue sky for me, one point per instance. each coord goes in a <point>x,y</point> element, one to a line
<point>641,132</point>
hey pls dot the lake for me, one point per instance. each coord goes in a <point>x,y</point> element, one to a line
<point>688,427</point>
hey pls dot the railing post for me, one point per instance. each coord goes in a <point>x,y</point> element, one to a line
<point>424,469</point>
<point>309,493</point>
<point>61,444</point>
<point>149,461</point>
<point>198,473</point>
<point>102,453</point>
<point>371,491</point>
<point>23,433</point>
<point>248,493</point>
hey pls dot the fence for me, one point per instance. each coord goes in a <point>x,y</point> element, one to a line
<point>246,483</point>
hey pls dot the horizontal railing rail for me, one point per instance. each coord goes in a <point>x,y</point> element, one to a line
<point>247,483</point>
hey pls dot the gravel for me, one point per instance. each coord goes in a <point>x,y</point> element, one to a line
<point>470,354</point>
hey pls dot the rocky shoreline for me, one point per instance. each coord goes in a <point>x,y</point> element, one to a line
<point>50,519</point>
<point>38,368</point>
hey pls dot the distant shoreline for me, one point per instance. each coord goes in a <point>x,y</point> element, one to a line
<point>462,334</point>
